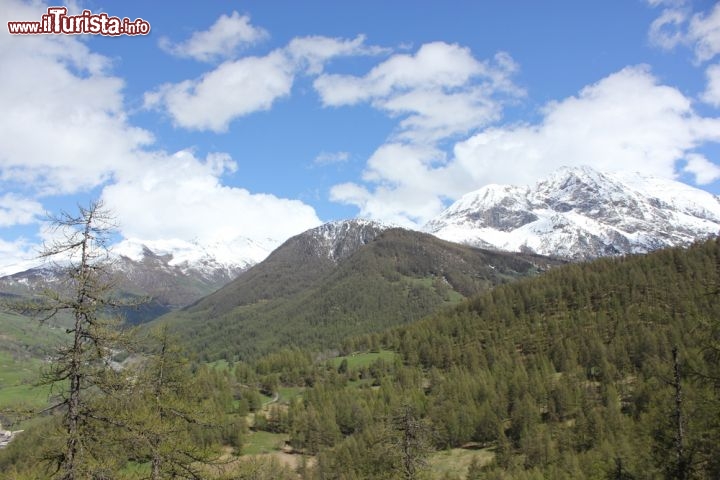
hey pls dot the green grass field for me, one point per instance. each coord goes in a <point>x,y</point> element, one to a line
<point>263,442</point>
<point>454,463</point>
<point>289,393</point>
<point>18,382</point>
<point>360,360</point>
<point>25,344</point>
<point>221,365</point>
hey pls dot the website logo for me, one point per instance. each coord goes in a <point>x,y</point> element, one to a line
<point>58,22</point>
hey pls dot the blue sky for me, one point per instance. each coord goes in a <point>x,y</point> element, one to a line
<point>261,119</point>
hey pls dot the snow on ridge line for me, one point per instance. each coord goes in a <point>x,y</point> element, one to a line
<point>242,251</point>
<point>20,266</point>
<point>582,213</point>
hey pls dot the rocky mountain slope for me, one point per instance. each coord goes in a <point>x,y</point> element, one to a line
<point>580,213</point>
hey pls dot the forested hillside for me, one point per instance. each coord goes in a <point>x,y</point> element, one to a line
<point>606,370</point>
<point>571,375</point>
<point>297,298</point>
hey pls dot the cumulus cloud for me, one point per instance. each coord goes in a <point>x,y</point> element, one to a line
<point>668,30</point>
<point>434,65</point>
<point>63,125</point>
<point>439,91</point>
<point>234,89</point>
<point>408,184</point>
<point>221,40</point>
<point>627,120</point>
<point>180,196</point>
<point>243,86</point>
<point>667,3</point>
<point>16,256</point>
<point>712,92</point>
<point>700,31</point>
<point>311,53</point>
<point>704,170</point>
<point>704,31</point>
<point>65,130</point>
<point>16,210</point>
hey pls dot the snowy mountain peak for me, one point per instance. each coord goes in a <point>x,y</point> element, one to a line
<point>339,239</point>
<point>233,256</point>
<point>583,174</point>
<point>581,213</point>
<point>173,272</point>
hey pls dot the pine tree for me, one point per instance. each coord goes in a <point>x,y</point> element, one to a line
<point>164,407</point>
<point>81,368</point>
<point>412,440</point>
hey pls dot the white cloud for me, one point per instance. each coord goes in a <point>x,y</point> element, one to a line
<point>405,192</point>
<point>400,205</point>
<point>667,3</point>
<point>234,89</point>
<point>329,158</point>
<point>431,115</point>
<point>701,32</point>
<point>712,92</point>
<point>435,65</point>
<point>625,121</point>
<point>705,32</point>
<point>667,31</point>
<point>240,87</point>
<point>311,53</point>
<point>221,40</point>
<point>440,91</point>
<point>15,210</point>
<point>63,126</point>
<point>182,197</point>
<point>65,129</point>
<point>16,256</point>
<point>704,170</point>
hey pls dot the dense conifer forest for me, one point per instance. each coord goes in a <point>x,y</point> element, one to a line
<point>604,370</point>
<point>297,298</point>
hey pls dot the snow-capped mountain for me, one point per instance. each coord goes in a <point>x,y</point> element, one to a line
<point>300,262</point>
<point>173,273</point>
<point>339,239</point>
<point>211,261</point>
<point>580,213</point>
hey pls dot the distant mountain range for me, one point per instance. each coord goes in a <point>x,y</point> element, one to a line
<point>575,214</point>
<point>173,274</point>
<point>580,214</point>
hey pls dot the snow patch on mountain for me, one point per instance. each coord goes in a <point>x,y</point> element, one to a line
<point>208,259</point>
<point>581,213</point>
<point>339,239</point>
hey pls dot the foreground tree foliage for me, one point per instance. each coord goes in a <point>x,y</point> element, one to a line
<point>81,369</point>
<point>160,409</point>
<point>151,411</point>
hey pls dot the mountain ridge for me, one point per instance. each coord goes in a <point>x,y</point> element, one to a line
<point>300,296</point>
<point>170,274</point>
<point>581,214</point>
